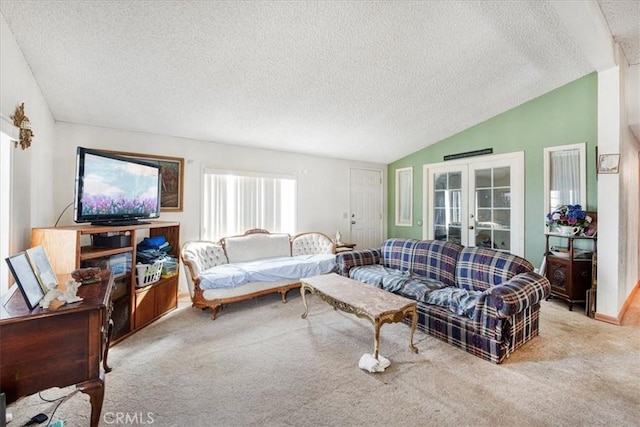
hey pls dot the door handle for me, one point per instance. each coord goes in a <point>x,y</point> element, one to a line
<point>471,227</point>
<point>352,222</point>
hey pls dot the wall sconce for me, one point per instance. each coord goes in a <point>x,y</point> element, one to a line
<point>22,122</point>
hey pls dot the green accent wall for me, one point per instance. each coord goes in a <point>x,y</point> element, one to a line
<point>566,115</point>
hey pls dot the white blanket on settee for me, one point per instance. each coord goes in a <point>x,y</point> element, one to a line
<point>266,270</point>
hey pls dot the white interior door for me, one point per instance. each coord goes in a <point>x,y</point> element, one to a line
<point>365,207</point>
<point>477,202</point>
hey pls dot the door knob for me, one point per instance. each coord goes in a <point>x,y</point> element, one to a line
<point>471,227</point>
<point>353,222</point>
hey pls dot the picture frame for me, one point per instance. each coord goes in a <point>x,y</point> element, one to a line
<point>41,266</point>
<point>608,163</point>
<point>172,170</point>
<point>26,279</point>
<point>118,265</point>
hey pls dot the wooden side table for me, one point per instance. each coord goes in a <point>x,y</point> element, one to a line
<point>570,275</point>
<point>44,348</point>
<point>343,247</point>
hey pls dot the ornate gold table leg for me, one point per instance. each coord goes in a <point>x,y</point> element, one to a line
<point>414,323</point>
<point>376,339</point>
<point>303,290</point>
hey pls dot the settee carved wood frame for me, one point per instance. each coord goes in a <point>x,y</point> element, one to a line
<point>199,301</point>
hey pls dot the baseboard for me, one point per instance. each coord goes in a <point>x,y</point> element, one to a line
<point>618,319</point>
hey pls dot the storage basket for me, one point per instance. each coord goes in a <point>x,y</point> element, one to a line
<point>147,274</point>
<point>170,268</point>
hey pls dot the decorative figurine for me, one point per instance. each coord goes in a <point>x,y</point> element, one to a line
<point>66,297</point>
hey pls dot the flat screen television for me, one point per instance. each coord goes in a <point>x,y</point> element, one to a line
<point>115,190</point>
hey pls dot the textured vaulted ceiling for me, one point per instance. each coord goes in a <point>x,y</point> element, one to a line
<point>366,80</point>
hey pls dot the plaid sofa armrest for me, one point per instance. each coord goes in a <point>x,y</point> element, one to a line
<point>346,260</point>
<point>522,291</point>
<point>500,305</point>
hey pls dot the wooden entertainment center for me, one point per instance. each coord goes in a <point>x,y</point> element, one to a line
<point>72,247</point>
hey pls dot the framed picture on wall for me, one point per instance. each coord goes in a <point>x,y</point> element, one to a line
<point>608,163</point>
<point>26,279</point>
<point>172,185</point>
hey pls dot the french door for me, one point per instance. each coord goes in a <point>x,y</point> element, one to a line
<point>477,202</point>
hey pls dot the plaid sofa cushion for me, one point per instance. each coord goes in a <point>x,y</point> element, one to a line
<point>460,301</point>
<point>434,259</point>
<point>409,285</point>
<point>480,268</point>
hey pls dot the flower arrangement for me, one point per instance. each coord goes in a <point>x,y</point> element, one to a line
<point>568,215</point>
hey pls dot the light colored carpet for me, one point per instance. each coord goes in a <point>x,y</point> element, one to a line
<point>259,363</point>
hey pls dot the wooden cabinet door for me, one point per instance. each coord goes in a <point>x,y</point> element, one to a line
<point>166,296</point>
<point>145,306</point>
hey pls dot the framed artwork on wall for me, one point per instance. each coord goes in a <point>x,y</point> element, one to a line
<point>172,170</point>
<point>608,163</point>
<point>26,279</point>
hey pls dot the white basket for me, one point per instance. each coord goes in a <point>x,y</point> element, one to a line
<point>148,274</point>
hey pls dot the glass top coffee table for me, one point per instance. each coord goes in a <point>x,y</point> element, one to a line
<point>366,301</point>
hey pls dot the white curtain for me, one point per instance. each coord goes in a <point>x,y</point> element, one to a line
<point>404,196</point>
<point>6,153</point>
<point>565,178</point>
<point>234,202</point>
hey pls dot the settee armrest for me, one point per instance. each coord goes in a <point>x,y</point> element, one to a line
<point>312,243</point>
<point>349,259</point>
<point>198,256</point>
<point>522,291</point>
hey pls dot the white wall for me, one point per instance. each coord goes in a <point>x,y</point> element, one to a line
<point>32,196</point>
<point>618,194</point>
<point>323,183</point>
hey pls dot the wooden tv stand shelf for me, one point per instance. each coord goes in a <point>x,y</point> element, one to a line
<point>72,247</point>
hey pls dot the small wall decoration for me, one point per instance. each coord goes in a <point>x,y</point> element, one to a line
<point>21,121</point>
<point>172,170</point>
<point>474,153</point>
<point>608,163</point>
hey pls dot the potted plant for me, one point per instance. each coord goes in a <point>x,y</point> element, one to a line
<point>568,219</point>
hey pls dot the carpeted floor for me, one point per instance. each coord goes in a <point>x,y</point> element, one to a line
<point>259,363</point>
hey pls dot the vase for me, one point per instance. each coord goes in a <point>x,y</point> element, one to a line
<point>568,230</point>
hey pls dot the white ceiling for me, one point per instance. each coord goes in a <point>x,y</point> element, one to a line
<point>366,80</point>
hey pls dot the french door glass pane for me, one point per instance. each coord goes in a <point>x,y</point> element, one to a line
<point>447,206</point>
<point>493,208</point>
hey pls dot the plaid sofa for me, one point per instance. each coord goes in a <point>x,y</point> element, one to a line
<point>481,300</point>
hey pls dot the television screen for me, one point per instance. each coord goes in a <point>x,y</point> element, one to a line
<point>115,190</point>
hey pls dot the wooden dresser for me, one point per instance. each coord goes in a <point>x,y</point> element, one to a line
<point>43,349</point>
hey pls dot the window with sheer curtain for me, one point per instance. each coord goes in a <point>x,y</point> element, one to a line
<point>404,196</point>
<point>234,202</point>
<point>5,209</point>
<point>565,176</point>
